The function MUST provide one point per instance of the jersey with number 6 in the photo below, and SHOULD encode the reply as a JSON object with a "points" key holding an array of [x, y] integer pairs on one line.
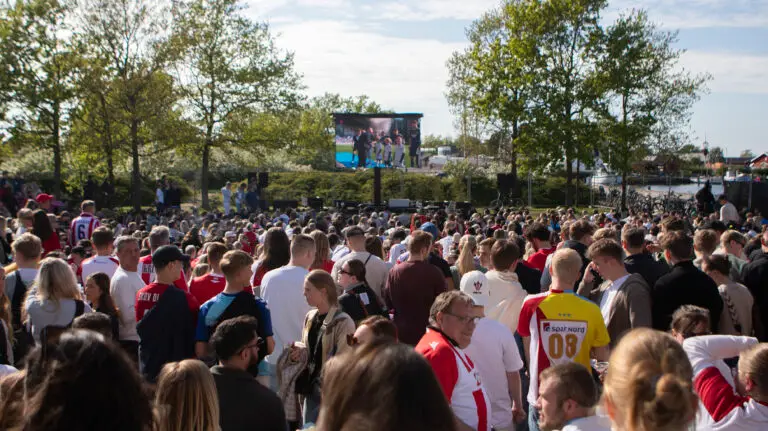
{"points": [[82, 228], [563, 327]]}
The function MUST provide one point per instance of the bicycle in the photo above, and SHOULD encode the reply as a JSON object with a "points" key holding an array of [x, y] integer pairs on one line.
{"points": [[503, 201]]}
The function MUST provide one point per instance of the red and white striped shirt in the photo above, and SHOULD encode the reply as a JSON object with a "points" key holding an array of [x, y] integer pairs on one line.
{"points": [[458, 377], [720, 407], [82, 227]]}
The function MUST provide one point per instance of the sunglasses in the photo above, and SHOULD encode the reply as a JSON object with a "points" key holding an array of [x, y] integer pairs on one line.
{"points": [[341, 271]]}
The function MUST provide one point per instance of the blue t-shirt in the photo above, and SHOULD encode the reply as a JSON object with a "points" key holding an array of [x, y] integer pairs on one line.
{"points": [[215, 307]]}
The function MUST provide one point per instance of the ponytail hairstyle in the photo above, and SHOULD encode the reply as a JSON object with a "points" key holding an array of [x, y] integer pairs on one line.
{"points": [[649, 386], [753, 365], [467, 249]]}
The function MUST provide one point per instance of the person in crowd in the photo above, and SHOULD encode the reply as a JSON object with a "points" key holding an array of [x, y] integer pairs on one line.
{"points": [[528, 277], [737, 401], [580, 233], [25, 219], [649, 383], [358, 300], [6, 327], [41, 228], [26, 251], [732, 246], [539, 236], [397, 247], [685, 284], [123, 288], [452, 322], [495, 353], [243, 402], [53, 299], [374, 327], [705, 200], [705, 242], [624, 299], [65, 388], [466, 261], [211, 284], [235, 300], [322, 253], [103, 244], [736, 318], [412, 287], [82, 227], [638, 260], [434, 256], [97, 322], [728, 212], [97, 294], [45, 202], [325, 333], [506, 293], [226, 198], [375, 269], [185, 398], [275, 254], [567, 399], [546, 317], [159, 236], [165, 315], [754, 276], [240, 198], [408, 397], [5, 244], [283, 290]]}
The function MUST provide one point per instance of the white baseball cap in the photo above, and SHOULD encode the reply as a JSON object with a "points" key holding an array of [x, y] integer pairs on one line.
{"points": [[475, 284]]}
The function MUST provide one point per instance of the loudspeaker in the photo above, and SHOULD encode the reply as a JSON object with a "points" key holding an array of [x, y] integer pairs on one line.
{"points": [[505, 182], [253, 178], [263, 179], [377, 186]]}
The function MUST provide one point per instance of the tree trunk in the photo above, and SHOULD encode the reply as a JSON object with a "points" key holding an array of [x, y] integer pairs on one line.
{"points": [[568, 178], [623, 192], [108, 141], [204, 175], [578, 178], [135, 172], [56, 151], [513, 156]]}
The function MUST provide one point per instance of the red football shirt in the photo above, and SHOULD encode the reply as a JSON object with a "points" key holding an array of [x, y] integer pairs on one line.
{"points": [[147, 297], [539, 259], [206, 287], [149, 275]]}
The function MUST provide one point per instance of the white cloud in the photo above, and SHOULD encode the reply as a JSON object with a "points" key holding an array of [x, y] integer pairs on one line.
{"points": [[405, 75], [680, 14], [732, 73]]}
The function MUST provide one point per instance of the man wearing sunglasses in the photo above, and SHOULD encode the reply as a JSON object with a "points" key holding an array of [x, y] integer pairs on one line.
{"points": [[452, 321], [244, 403]]}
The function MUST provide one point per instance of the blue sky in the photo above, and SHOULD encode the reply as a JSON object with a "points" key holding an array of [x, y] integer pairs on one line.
{"points": [[395, 51]]}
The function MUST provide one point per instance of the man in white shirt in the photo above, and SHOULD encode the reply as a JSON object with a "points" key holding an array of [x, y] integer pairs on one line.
{"points": [[376, 270], [567, 398], [494, 351], [506, 293], [624, 299], [102, 240], [728, 212], [226, 197], [283, 290], [398, 247], [123, 287]]}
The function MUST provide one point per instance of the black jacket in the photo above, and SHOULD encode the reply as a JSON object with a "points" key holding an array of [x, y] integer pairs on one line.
{"points": [[353, 302], [645, 265], [245, 404], [530, 278], [755, 277], [167, 333], [582, 250], [684, 284]]}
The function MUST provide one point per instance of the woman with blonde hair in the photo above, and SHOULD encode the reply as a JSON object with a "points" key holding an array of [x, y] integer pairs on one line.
{"points": [[728, 401], [186, 398], [648, 386], [322, 253], [54, 298], [466, 261]]}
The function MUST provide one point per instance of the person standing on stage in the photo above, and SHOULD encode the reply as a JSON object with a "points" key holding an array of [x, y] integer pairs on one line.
{"points": [[415, 147], [363, 142], [388, 152], [399, 152]]}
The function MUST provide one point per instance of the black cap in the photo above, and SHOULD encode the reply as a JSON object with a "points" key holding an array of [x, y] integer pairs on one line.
{"points": [[167, 254]]}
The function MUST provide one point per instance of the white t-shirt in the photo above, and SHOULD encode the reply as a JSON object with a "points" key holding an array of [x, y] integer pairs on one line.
{"points": [[340, 252], [446, 243], [376, 271], [609, 296], [283, 290], [395, 251], [106, 264], [123, 288], [494, 351]]}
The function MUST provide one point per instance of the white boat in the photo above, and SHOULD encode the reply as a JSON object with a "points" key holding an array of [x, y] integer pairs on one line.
{"points": [[603, 177]]}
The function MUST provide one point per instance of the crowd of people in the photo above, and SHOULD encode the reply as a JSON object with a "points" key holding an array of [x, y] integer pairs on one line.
{"points": [[286, 320]]}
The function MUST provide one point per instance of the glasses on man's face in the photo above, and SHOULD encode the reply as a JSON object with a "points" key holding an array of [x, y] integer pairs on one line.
{"points": [[464, 319], [342, 271], [254, 345]]}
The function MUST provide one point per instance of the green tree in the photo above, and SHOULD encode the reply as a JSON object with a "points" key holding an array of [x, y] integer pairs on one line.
{"points": [[227, 65], [748, 154], [127, 38], [639, 74], [40, 72]]}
